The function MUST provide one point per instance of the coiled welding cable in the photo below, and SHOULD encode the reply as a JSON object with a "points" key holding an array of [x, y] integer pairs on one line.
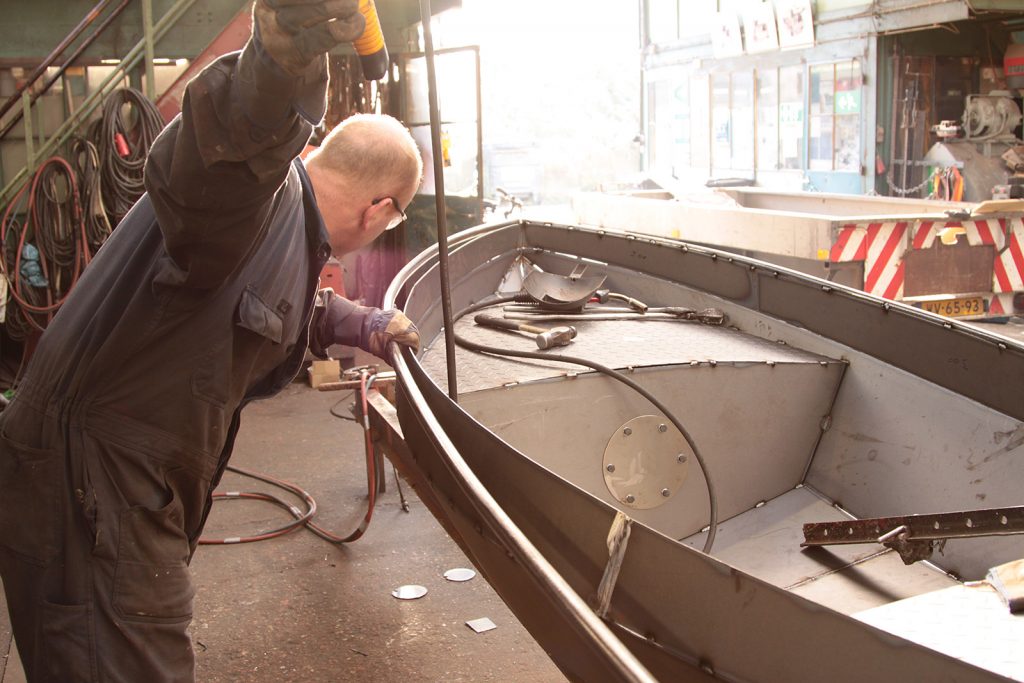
{"points": [[123, 135]]}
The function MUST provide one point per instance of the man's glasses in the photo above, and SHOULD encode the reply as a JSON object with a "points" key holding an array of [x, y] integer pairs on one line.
{"points": [[397, 220]]}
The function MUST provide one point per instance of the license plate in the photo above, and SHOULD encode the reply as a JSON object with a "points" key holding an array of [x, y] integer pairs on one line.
{"points": [[955, 308]]}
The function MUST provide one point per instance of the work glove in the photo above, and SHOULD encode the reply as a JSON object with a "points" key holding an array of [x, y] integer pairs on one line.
{"points": [[337, 320], [297, 32]]}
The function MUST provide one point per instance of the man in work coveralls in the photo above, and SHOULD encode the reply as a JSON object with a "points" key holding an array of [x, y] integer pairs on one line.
{"points": [[198, 303]]}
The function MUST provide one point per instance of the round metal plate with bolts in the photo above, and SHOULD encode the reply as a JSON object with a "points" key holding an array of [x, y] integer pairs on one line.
{"points": [[646, 462], [459, 574], [409, 592]]}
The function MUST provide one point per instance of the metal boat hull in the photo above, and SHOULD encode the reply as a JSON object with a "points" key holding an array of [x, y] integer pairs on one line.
{"points": [[686, 615]]}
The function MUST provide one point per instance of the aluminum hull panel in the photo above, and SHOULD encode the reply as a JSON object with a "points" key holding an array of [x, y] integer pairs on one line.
{"points": [[681, 611]]}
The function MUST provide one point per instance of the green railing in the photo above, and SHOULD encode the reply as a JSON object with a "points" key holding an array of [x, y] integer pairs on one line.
{"points": [[143, 50]]}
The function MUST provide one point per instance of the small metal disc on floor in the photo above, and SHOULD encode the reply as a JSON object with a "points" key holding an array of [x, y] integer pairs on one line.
{"points": [[482, 624], [409, 592], [459, 574]]}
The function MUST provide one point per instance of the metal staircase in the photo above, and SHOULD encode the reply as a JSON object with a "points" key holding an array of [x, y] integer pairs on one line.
{"points": [[232, 37]]}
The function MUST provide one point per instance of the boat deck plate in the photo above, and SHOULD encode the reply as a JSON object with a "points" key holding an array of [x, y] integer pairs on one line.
{"points": [[618, 344]]}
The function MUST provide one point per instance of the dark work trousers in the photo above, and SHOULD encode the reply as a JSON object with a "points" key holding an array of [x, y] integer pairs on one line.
{"points": [[94, 551]]}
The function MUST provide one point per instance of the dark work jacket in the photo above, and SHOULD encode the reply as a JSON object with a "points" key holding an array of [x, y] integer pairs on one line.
{"points": [[201, 298]]}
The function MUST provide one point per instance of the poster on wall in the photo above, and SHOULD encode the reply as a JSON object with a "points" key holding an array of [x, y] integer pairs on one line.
{"points": [[759, 32], [725, 35], [795, 22]]}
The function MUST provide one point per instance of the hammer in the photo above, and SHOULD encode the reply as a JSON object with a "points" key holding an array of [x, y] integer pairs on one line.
{"points": [[545, 338]]}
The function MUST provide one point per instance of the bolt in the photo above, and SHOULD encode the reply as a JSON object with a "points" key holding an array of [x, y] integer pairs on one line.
{"points": [[662, 428], [627, 431], [666, 493], [681, 457], [610, 468], [631, 498]]}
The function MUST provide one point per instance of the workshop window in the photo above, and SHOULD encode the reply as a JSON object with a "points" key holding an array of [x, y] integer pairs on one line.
{"points": [[791, 116], [767, 120], [743, 121], [835, 117], [700, 123], [662, 20], [848, 108], [721, 149], [732, 121], [669, 125], [822, 111]]}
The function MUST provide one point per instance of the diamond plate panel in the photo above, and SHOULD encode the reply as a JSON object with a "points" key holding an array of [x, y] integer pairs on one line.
{"points": [[617, 344]]}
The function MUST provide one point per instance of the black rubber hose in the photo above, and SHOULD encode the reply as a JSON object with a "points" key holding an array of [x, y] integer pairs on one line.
{"points": [[473, 346]]}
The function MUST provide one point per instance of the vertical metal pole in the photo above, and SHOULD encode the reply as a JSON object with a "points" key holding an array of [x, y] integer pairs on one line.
{"points": [[41, 121], [30, 151], [479, 134], [147, 28], [442, 224]]}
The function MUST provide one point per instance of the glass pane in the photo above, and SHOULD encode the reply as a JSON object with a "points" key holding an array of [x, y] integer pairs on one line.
{"points": [[456, 91], [822, 89], [791, 116], [848, 109], [700, 122], [820, 144], [659, 135], [822, 109], [721, 149], [697, 17], [767, 119], [743, 120], [848, 143], [681, 124], [662, 20]]}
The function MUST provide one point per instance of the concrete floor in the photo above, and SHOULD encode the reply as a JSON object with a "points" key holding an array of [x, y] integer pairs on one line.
{"points": [[297, 608]]}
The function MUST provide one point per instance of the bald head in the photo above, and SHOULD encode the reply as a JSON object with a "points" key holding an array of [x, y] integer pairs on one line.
{"points": [[370, 150]]}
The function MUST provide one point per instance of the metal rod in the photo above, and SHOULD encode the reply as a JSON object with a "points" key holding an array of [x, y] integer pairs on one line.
{"points": [[30, 152], [82, 47], [442, 225], [52, 57], [147, 32]]}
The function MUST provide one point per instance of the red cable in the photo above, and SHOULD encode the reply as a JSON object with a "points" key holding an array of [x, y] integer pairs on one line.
{"points": [[34, 221]]}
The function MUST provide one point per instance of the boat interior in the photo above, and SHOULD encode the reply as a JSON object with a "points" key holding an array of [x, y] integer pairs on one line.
{"points": [[793, 427]]}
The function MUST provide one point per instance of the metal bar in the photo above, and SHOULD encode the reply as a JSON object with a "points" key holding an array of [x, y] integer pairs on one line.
{"points": [[41, 122], [442, 225], [147, 31], [479, 135], [593, 316], [30, 152], [582, 618], [934, 527], [52, 57], [93, 101], [83, 46]]}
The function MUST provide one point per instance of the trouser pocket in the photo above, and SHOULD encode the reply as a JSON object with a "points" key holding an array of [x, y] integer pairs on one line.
{"points": [[30, 483], [152, 580], [65, 650]]}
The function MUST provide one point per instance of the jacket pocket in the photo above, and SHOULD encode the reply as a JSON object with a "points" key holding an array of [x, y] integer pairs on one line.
{"points": [[254, 314], [30, 482], [152, 581]]}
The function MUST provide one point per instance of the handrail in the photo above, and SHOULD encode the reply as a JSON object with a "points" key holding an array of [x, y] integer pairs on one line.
{"points": [[52, 57], [60, 71], [66, 129]]}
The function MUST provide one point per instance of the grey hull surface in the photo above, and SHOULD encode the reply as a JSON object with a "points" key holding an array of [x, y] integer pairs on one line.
{"points": [[814, 403]]}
